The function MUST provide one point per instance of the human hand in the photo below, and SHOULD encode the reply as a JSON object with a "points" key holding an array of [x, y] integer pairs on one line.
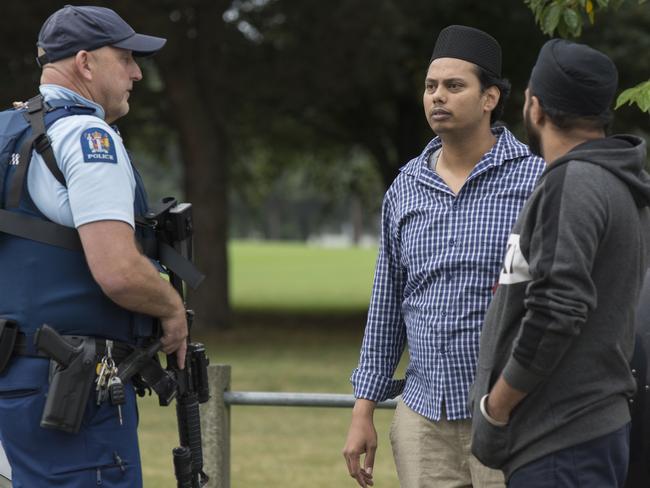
{"points": [[502, 400], [174, 338], [496, 411], [362, 438]]}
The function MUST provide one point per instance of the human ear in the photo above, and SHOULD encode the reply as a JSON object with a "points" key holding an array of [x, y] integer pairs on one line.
{"points": [[536, 111], [82, 63], [492, 95]]}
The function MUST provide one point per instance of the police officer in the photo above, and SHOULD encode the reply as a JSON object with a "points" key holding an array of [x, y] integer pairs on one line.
{"points": [[110, 290]]}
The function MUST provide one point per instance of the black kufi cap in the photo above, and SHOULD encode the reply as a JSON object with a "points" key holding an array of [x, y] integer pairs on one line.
{"points": [[469, 44], [573, 78]]}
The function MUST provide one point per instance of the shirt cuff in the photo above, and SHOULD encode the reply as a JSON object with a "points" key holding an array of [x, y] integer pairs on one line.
{"points": [[520, 378], [375, 387]]}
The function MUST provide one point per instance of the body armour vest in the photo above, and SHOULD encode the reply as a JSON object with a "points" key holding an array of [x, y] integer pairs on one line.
{"points": [[42, 283]]}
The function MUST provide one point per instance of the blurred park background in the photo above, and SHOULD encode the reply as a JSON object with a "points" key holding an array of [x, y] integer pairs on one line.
{"points": [[283, 122]]}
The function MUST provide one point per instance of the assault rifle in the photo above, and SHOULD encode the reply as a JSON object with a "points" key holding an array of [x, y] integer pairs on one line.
{"points": [[173, 227]]}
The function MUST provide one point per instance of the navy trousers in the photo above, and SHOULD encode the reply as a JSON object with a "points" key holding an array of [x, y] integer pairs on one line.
{"points": [[103, 454], [599, 463]]}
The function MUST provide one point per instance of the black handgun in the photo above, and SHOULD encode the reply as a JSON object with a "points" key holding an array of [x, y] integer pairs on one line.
{"points": [[72, 377]]}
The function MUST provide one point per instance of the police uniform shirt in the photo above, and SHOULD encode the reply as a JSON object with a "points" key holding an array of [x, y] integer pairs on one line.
{"points": [[97, 169]]}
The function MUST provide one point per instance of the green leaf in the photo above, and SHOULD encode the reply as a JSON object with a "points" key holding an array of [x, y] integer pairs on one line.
{"points": [[603, 3], [551, 18], [533, 4], [572, 20], [536, 6], [539, 8], [639, 95]]}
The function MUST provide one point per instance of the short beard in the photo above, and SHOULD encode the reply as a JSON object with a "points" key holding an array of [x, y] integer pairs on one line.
{"points": [[534, 138]]}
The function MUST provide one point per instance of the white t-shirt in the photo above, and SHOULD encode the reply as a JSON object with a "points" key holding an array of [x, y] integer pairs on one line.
{"points": [[433, 159]]}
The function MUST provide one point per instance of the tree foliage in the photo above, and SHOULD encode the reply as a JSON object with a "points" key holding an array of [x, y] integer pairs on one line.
{"points": [[568, 18], [639, 95], [250, 92], [350, 73]]}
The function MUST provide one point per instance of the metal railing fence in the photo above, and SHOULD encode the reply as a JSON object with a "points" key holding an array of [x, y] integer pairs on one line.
{"points": [[215, 417]]}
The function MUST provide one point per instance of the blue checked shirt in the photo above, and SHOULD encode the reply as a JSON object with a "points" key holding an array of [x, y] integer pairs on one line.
{"points": [[439, 258]]}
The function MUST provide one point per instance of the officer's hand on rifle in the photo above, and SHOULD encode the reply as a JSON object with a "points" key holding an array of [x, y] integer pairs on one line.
{"points": [[174, 338], [129, 279]]}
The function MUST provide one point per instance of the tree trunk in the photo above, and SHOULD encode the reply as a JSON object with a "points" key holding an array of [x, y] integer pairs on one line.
{"points": [[356, 218], [203, 147], [187, 66]]}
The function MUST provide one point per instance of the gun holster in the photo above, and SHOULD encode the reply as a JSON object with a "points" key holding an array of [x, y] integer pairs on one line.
{"points": [[70, 387], [8, 334]]}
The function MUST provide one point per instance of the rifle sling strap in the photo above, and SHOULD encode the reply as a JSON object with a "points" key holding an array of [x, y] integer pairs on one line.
{"points": [[181, 266], [36, 117], [39, 141], [39, 230]]}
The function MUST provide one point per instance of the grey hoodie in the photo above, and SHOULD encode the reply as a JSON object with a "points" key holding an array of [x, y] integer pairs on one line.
{"points": [[561, 324]]}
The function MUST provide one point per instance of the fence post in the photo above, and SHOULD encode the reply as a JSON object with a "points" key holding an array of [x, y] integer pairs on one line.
{"points": [[215, 427]]}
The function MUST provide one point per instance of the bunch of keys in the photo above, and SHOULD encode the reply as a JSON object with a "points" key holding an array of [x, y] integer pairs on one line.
{"points": [[109, 384]]}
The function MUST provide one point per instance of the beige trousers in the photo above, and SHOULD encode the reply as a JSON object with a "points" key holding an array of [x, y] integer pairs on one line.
{"points": [[437, 454]]}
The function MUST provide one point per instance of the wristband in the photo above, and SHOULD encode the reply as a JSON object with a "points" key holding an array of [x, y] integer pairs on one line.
{"points": [[486, 416]]}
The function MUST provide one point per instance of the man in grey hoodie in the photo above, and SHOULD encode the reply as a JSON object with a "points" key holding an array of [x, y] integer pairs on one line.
{"points": [[550, 399]]}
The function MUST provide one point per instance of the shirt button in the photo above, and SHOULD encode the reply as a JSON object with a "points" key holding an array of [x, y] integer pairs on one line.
{"points": [[452, 242], [443, 313]]}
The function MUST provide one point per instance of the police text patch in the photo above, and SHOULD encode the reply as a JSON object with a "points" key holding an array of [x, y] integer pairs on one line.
{"points": [[97, 146]]}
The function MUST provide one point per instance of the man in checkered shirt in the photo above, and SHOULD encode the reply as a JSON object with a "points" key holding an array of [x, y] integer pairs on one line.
{"points": [[445, 222]]}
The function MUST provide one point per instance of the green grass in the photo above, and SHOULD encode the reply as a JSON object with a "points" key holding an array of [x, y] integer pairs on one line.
{"points": [[283, 447], [292, 277]]}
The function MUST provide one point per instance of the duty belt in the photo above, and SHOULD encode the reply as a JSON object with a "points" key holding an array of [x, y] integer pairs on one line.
{"points": [[24, 346], [132, 362]]}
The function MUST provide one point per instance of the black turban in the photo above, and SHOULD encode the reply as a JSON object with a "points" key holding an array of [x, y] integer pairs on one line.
{"points": [[573, 78], [469, 44]]}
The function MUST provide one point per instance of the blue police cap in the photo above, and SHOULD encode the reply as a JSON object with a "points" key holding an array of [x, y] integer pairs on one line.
{"points": [[73, 29]]}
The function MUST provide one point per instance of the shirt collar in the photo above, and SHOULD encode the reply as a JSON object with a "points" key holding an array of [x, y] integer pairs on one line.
{"points": [[57, 92], [506, 148]]}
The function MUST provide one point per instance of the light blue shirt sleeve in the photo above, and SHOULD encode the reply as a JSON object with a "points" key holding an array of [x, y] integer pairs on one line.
{"points": [[99, 176]]}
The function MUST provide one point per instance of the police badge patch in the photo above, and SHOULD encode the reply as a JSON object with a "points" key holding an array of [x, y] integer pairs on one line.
{"points": [[97, 146]]}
